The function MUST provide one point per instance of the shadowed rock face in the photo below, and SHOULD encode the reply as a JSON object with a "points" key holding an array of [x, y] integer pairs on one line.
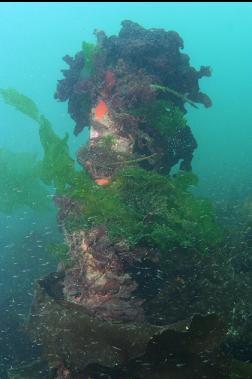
{"points": [[73, 339]]}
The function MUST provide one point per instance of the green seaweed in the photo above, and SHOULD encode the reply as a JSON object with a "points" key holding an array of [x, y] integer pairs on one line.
{"points": [[60, 251], [57, 167], [168, 212], [89, 51], [107, 141], [146, 208], [21, 102], [162, 116], [102, 205]]}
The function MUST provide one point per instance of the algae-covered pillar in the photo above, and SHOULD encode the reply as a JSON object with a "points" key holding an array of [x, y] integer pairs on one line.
{"points": [[130, 90], [138, 244], [125, 216]]}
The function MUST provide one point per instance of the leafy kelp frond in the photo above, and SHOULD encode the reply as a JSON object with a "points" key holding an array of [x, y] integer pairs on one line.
{"points": [[20, 185], [21, 102], [57, 167]]}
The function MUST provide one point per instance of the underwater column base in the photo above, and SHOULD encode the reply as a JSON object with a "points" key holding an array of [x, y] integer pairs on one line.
{"points": [[84, 344]]}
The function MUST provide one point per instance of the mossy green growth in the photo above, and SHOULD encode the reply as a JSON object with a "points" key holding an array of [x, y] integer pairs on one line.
{"points": [[169, 214], [89, 51], [101, 205], [107, 142], [60, 251], [163, 116], [20, 185], [143, 207]]}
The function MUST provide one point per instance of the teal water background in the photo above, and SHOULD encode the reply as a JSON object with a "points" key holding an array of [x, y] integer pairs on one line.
{"points": [[33, 39]]}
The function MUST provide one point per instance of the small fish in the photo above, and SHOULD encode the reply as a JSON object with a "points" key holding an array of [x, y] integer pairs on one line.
{"points": [[116, 348]]}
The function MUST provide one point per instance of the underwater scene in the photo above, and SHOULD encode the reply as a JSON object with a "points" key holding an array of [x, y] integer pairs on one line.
{"points": [[125, 190]]}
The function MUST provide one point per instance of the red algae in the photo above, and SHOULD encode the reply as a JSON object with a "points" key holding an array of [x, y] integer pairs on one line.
{"points": [[103, 181], [100, 110]]}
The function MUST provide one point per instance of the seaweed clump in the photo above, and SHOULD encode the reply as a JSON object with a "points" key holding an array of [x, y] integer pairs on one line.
{"points": [[141, 207]]}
